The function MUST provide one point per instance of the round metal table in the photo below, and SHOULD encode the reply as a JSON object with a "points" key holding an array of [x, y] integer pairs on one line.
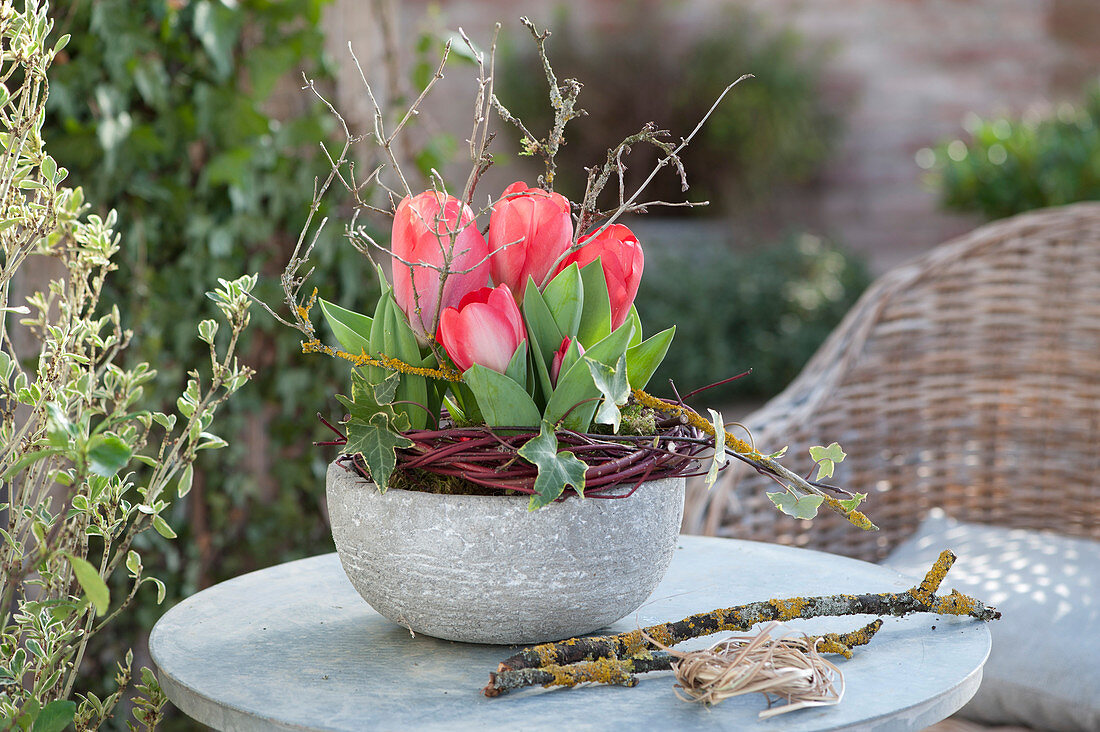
{"points": [[293, 647]]}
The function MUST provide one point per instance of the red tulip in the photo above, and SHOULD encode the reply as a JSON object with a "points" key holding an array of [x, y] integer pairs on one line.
{"points": [[426, 228], [559, 356], [528, 230], [486, 328], [621, 256]]}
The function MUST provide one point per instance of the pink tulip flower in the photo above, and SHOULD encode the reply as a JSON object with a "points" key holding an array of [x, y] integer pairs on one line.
{"points": [[622, 259], [559, 356], [427, 228], [486, 328], [528, 230]]}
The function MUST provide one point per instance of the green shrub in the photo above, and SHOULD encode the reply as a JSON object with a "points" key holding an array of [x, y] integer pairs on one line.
{"points": [[93, 452], [164, 111], [771, 133], [767, 310], [1009, 165]]}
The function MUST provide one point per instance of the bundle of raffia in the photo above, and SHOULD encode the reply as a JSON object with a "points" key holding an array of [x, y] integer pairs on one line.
{"points": [[779, 668]]}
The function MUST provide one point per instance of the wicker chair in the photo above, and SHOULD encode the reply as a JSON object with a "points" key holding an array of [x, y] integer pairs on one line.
{"points": [[968, 379]]}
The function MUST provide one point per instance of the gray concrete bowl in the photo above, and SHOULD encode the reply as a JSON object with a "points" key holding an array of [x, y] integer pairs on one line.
{"points": [[483, 569]]}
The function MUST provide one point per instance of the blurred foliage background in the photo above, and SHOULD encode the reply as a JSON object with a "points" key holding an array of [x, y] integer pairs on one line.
{"points": [[752, 302], [171, 113], [767, 310], [187, 118], [771, 135], [1008, 165]]}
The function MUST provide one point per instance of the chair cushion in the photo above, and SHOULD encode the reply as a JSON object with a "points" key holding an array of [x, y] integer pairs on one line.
{"points": [[1044, 668]]}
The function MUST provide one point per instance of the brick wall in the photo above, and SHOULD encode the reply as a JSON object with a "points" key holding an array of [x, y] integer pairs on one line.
{"points": [[905, 71]]}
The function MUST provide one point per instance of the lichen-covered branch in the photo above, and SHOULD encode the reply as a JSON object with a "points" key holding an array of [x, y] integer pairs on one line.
{"points": [[621, 672], [921, 598]]}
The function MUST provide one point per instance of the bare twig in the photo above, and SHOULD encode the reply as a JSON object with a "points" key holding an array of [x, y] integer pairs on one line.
{"points": [[621, 672], [920, 598]]}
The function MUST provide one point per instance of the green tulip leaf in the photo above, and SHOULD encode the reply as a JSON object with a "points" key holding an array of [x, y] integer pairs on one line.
{"points": [[608, 350], [503, 402], [375, 374], [543, 334], [466, 403], [352, 330], [595, 322], [556, 469], [643, 359], [636, 319], [800, 507], [575, 397], [613, 385], [517, 367], [391, 336], [564, 297], [384, 284]]}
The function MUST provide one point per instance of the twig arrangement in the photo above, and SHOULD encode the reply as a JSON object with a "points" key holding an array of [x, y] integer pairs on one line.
{"points": [[615, 658], [483, 459], [487, 457]]}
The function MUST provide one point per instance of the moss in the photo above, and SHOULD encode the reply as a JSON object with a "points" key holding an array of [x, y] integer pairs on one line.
{"points": [[414, 479], [638, 420]]}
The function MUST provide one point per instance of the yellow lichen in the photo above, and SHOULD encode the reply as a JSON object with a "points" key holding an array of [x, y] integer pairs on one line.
{"points": [[548, 656], [738, 446], [832, 644], [954, 604], [386, 362], [662, 635], [562, 676], [600, 671], [925, 591], [857, 518], [789, 609], [633, 642]]}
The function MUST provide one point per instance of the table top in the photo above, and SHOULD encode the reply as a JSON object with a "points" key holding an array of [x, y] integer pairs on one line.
{"points": [[294, 647]]}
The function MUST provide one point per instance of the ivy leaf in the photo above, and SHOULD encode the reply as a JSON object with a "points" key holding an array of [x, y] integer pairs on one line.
{"points": [[826, 459], [377, 442], [719, 460], [94, 586], [801, 507], [612, 383], [851, 503], [364, 402], [779, 453], [556, 469], [385, 392]]}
